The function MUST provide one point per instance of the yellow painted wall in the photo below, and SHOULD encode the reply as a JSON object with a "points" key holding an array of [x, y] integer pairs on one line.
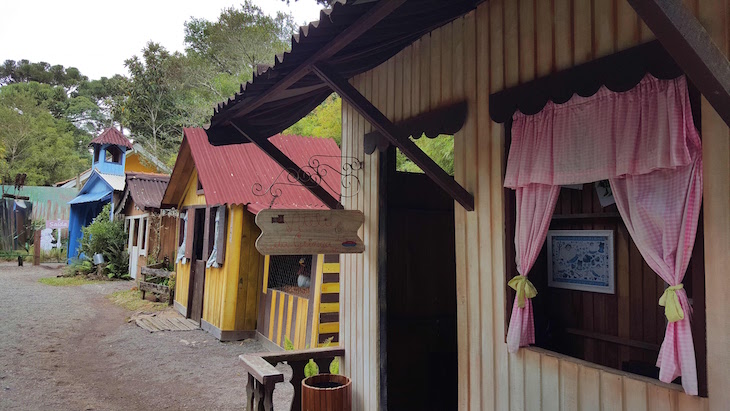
{"points": [[191, 198], [182, 283], [230, 299], [134, 164], [230, 295], [502, 44]]}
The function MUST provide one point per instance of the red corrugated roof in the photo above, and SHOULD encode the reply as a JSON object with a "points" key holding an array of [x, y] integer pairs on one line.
{"points": [[112, 136], [228, 174]]}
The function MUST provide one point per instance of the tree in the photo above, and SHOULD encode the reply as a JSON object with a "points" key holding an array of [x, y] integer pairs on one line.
{"points": [[325, 3], [323, 121], [440, 149], [221, 55], [153, 116], [24, 71], [34, 141], [240, 40]]}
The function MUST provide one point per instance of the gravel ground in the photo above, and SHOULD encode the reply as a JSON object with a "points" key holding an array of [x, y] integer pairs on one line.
{"points": [[69, 348]]}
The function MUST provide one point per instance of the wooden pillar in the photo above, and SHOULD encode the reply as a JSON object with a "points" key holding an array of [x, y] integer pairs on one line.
{"points": [[37, 247]]}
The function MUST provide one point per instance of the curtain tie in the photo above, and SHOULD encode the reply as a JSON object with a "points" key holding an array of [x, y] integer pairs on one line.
{"points": [[524, 288], [670, 302]]}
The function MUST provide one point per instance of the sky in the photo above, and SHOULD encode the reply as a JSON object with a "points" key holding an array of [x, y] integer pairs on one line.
{"points": [[96, 36]]}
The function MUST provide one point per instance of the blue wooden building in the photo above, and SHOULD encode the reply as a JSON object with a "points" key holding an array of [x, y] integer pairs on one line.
{"points": [[105, 184]]}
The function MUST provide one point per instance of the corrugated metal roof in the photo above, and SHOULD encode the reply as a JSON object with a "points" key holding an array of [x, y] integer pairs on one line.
{"points": [[112, 136], [90, 197], [229, 174], [406, 24], [49, 203], [116, 182], [145, 189]]}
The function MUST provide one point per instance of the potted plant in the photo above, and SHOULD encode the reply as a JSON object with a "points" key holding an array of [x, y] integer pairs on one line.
{"points": [[324, 392]]}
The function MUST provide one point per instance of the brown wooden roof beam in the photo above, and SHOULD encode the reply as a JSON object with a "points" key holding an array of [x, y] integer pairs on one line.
{"points": [[293, 169], [376, 14], [692, 48], [395, 135]]}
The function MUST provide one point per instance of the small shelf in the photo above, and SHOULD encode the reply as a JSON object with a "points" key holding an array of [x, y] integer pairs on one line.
{"points": [[584, 216]]}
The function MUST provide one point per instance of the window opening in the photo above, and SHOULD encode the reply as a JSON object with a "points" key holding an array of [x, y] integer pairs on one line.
{"points": [[135, 236], [97, 150], [144, 233], [291, 274], [440, 149], [199, 233], [113, 155], [211, 230]]}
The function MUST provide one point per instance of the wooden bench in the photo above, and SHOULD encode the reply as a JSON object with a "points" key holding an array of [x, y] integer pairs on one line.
{"points": [[262, 375], [155, 271]]}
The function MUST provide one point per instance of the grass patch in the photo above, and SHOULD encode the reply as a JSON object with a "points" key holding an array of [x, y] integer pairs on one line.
{"points": [[65, 281], [132, 301]]}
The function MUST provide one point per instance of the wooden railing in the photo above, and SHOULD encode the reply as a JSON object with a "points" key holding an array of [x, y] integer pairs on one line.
{"points": [[262, 376]]}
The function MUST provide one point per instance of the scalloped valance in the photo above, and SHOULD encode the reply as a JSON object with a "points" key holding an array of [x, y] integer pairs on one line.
{"points": [[618, 72]]}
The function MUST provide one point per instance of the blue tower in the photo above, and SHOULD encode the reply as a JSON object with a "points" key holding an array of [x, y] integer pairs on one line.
{"points": [[104, 185]]}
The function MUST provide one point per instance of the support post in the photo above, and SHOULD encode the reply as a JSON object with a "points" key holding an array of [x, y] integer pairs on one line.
{"points": [[396, 136], [689, 44], [37, 247]]}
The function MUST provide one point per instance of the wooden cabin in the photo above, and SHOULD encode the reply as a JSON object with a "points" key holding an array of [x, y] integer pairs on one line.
{"points": [[152, 233], [103, 186], [222, 280], [426, 309]]}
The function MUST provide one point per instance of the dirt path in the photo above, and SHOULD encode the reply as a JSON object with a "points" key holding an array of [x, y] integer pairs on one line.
{"points": [[69, 348]]}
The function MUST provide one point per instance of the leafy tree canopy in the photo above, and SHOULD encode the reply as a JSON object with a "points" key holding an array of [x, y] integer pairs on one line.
{"points": [[24, 71], [323, 121], [46, 147]]}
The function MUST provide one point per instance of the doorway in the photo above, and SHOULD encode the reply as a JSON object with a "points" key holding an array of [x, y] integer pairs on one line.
{"points": [[197, 267], [421, 335], [136, 242]]}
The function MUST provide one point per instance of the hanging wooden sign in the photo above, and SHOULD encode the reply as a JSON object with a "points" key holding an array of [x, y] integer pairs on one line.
{"points": [[294, 232]]}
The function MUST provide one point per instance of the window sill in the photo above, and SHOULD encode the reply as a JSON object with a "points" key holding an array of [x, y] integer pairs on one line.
{"points": [[613, 371]]}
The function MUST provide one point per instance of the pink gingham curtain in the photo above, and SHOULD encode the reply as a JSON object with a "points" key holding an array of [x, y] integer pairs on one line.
{"points": [[644, 141], [661, 211], [605, 135], [535, 205]]}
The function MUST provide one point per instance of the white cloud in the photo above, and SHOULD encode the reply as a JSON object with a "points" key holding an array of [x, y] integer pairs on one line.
{"points": [[97, 36]]}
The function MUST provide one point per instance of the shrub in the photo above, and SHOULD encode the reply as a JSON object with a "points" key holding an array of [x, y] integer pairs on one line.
{"points": [[107, 236]]}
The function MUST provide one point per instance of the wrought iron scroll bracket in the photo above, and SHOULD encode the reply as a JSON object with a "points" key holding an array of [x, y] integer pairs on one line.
{"points": [[316, 170]]}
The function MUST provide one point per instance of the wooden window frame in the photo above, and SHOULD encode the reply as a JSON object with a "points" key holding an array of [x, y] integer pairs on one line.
{"points": [[198, 186], [696, 270]]}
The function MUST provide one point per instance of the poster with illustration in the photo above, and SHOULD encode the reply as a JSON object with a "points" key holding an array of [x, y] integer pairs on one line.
{"points": [[581, 260]]}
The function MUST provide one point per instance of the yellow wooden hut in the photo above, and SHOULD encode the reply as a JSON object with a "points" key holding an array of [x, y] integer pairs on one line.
{"points": [[398, 61], [222, 280]]}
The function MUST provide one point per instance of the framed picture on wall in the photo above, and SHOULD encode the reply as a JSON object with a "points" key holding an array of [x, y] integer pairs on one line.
{"points": [[581, 260]]}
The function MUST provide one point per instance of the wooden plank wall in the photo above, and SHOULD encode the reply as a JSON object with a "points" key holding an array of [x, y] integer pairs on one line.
{"points": [[167, 235], [329, 318], [501, 44], [230, 300], [182, 283], [285, 316]]}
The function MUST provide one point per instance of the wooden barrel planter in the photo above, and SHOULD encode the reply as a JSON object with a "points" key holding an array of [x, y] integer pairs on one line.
{"points": [[327, 392]]}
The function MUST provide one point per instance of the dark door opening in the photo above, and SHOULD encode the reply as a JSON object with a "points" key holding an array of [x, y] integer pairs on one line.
{"points": [[197, 268], [421, 337]]}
